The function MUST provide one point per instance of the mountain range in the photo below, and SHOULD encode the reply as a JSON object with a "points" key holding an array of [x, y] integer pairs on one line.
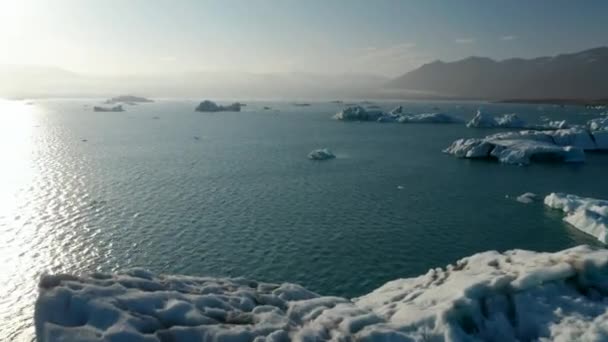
{"points": [[577, 76], [581, 75]]}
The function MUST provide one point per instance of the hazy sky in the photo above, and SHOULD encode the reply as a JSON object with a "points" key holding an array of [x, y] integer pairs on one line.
{"points": [[368, 36]]}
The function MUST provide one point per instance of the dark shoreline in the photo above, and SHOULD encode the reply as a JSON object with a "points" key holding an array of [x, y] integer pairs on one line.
{"points": [[576, 102]]}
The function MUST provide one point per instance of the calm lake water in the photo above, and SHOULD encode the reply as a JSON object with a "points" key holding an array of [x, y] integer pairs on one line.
{"points": [[233, 194]]}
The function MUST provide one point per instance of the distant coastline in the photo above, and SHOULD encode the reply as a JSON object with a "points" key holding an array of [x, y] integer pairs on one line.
{"points": [[557, 101]]}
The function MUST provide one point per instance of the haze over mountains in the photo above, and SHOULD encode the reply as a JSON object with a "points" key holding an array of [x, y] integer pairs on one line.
{"points": [[582, 75]]}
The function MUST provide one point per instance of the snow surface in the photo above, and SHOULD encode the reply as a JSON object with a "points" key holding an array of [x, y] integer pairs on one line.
{"points": [[515, 295], [586, 214], [321, 154], [527, 197]]}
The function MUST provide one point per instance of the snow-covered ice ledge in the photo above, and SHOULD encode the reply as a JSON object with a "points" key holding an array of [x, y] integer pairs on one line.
{"points": [[488, 296]]}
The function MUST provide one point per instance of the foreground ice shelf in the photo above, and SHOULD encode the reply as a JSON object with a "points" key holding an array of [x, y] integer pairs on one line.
{"points": [[515, 295]]}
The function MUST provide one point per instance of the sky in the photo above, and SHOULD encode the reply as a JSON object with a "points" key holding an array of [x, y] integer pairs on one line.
{"points": [[384, 37]]}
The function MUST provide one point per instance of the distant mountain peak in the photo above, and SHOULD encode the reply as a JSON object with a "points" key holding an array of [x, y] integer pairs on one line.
{"points": [[582, 74]]}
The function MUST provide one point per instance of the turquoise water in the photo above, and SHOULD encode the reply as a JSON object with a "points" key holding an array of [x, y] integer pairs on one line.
{"points": [[233, 194]]}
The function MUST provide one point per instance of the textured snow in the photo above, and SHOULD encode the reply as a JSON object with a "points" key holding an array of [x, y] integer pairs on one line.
{"points": [[527, 197], [515, 295], [586, 214], [483, 120], [321, 154]]}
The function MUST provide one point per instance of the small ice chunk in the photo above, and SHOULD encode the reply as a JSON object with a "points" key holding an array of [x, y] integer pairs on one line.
{"points": [[483, 120], [527, 197], [321, 154]]}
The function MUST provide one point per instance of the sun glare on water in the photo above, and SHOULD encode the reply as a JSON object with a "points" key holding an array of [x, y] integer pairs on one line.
{"points": [[17, 169]]}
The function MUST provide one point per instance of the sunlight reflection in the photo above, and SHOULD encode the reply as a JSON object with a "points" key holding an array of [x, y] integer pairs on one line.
{"points": [[17, 135]]}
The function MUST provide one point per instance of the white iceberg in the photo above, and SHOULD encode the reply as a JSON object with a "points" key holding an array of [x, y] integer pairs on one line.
{"points": [[514, 151], [321, 154], [521, 147], [515, 295], [483, 120], [358, 113], [586, 214], [527, 198], [429, 118]]}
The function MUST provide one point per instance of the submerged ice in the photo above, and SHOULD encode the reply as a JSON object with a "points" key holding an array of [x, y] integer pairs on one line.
{"points": [[515, 295]]}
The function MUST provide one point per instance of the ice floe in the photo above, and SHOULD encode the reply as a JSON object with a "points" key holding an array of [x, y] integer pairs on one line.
{"points": [[515, 295], [527, 197], [586, 214], [321, 154]]}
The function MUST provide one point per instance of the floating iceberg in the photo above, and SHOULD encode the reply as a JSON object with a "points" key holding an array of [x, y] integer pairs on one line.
{"points": [[108, 109], [515, 295], [586, 214], [358, 113], [128, 99], [521, 147], [321, 154], [483, 120], [210, 106], [516, 151], [429, 118], [527, 197]]}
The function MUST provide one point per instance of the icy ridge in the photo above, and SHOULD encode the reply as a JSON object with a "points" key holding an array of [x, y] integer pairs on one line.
{"points": [[488, 296]]}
